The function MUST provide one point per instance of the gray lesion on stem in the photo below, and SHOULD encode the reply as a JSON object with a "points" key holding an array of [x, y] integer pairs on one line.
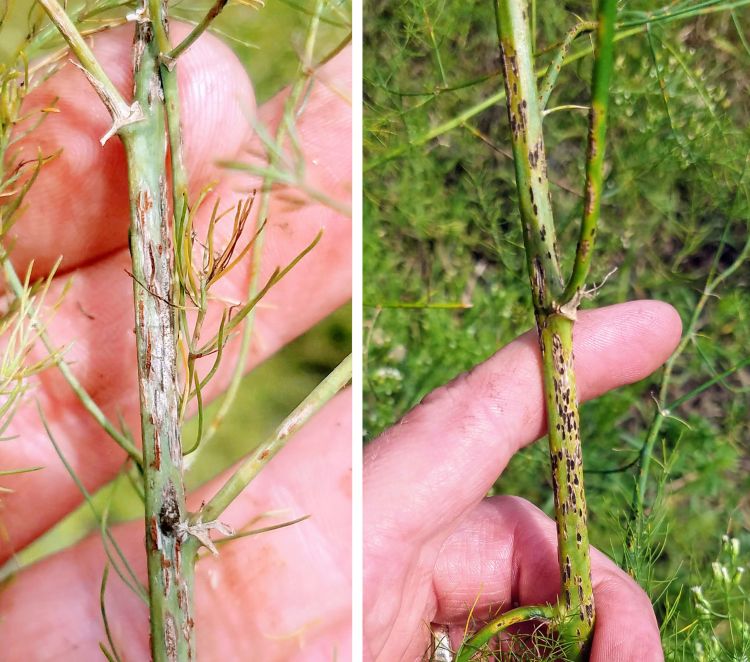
{"points": [[170, 557]]}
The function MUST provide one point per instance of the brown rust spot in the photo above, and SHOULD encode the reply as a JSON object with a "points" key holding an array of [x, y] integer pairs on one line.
{"points": [[537, 279], [143, 205], [147, 357], [166, 576], [178, 556], [152, 272], [156, 464], [153, 530]]}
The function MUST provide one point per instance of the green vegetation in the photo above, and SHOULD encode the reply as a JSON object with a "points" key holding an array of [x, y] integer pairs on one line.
{"points": [[445, 284]]}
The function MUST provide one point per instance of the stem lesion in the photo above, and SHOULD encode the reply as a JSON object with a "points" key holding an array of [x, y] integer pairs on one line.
{"points": [[170, 556], [555, 304]]}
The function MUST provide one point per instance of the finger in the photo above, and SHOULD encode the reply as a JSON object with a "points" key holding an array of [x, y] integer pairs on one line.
{"points": [[280, 596], [504, 553], [462, 436], [78, 207], [96, 316]]}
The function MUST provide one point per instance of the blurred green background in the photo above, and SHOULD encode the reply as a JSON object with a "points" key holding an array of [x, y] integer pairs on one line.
{"points": [[441, 228], [268, 42]]}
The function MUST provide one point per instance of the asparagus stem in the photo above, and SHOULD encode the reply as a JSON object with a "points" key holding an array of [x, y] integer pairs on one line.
{"points": [[519, 615], [170, 550], [576, 601], [555, 305], [603, 64], [168, 74], [525, 117]]}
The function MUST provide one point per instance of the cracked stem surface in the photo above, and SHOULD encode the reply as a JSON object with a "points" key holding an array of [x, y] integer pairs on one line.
{"points": [[170, 555]]}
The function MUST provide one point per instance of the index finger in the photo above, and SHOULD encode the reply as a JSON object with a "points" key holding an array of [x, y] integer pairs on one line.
{"points": [[462, 436]]}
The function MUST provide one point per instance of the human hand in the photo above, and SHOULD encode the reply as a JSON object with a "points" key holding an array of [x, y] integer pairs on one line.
{"points": [[285, 595], [435, 549]]}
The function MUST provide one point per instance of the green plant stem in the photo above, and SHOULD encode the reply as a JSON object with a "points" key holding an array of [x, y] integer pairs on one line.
{"points": [[122, 113], [554, 307], [11, 277], [197, 31], [305, 71], [79, 47], [420, 305], [525, 117], [251, 466], [576, 602], [170, 551], [264, 529], [644, 457], [553, 70], [126, 573], [603, 64], [519, 615], [168, 74]]}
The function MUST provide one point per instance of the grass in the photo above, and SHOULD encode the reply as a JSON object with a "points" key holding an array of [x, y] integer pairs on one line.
{"points": [[441, 227]]}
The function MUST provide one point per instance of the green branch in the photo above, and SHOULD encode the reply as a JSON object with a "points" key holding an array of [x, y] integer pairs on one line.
{"points": [[123, 440], [291, 110], [713, 282], [250, 467], [602, 76], [553, 70], [197, 31], [544, 614], [122, 113]]}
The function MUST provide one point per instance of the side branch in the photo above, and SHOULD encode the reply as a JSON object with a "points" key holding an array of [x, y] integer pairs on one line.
{"points": [[122, 439], [122, 113], [603, 65], [251, 466], [541, 613], [553, 70], [199, 29]]}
